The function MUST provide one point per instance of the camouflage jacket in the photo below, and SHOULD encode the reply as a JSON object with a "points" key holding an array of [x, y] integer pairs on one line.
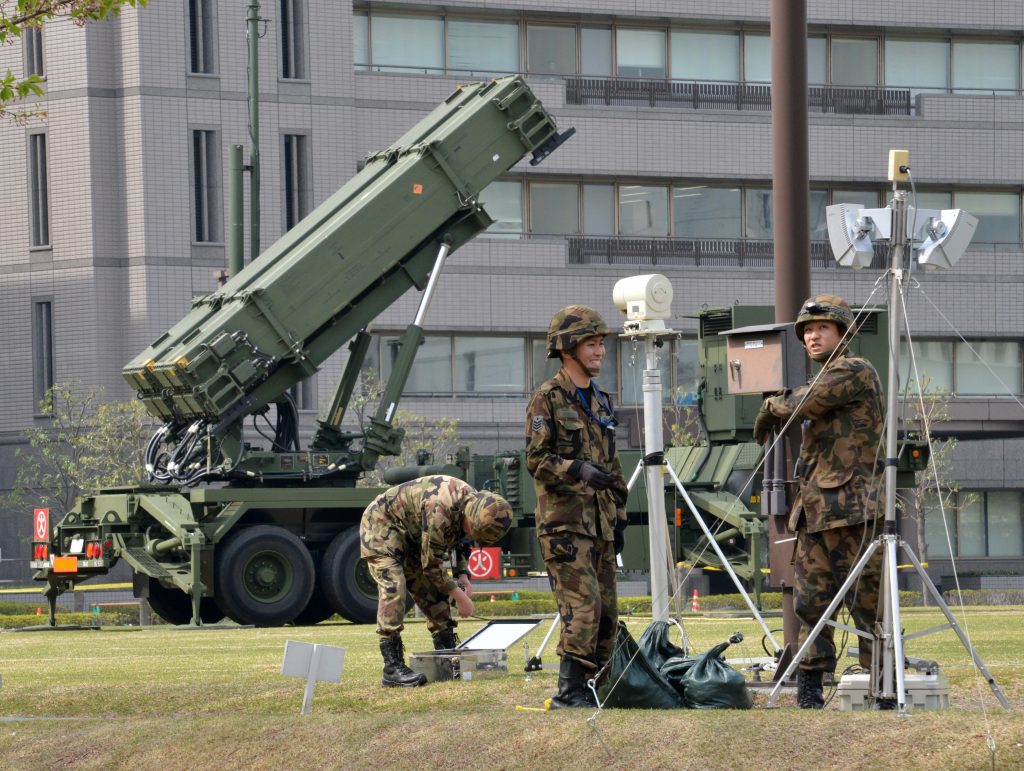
{"points": [[559, 431], [419, 523], [841, 458]]}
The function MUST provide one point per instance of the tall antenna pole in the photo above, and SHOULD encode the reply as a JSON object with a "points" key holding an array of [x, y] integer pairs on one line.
{"points": [[252, 36]]}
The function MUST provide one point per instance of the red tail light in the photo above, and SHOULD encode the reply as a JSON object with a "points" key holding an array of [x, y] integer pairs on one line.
{"points": [[40, 551]]}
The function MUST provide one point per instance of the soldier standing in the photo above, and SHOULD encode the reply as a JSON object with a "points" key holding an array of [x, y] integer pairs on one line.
{"points": [[406, 535], [581, 496], [836, 512]]}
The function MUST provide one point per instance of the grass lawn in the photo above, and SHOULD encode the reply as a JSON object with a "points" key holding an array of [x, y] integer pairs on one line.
{"points": [[159, 698]]}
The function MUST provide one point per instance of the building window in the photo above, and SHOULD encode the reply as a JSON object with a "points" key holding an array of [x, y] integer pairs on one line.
{"points": [[596, 51], [760, 218], [483, 48], [42, 349], [554, 208], [985, 524], [854, 61], [361, 41], [503, 200], [934, 360], [640, 53], [490, 365], [599, 210], [39, 196], [431, 372], [679, 366], [757, 58], [817, 60], [32, 42], [292, 23], [705, 55], [550, 50], [986, 67], [205, 186], [296, 179], [706, 212], [998, 215], [920, 65], [988, 368], [202, 35], [643, 210], [407, 43]]}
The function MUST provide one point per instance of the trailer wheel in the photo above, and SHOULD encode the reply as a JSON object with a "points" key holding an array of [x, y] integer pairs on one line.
{"points": [[346, 580], [175, 607], [316, 610], [264, 576]]}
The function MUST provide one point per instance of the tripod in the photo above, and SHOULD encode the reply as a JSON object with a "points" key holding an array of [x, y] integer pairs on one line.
{"points": [[888, 634]]}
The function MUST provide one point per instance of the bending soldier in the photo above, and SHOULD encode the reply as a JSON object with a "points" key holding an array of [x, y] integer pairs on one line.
{"points": [[406, 535], [837, 509], [581, 495]]}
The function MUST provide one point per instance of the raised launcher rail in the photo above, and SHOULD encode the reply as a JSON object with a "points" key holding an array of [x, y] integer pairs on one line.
{"points": [[276, 322]]}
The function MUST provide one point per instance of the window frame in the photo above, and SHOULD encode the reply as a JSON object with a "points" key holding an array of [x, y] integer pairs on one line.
{"points": [[296, 178], [205, 178], [33, 59], [201, 23], [43, 359], [292, 40], [38, 177]]}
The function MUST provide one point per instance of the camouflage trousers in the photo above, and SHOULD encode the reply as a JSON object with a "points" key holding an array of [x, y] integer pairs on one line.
{"points": [[582, 575], [823, 561], [394, 580]]}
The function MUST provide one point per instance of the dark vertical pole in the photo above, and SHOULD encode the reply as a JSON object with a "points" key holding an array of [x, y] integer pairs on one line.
{"points": [[790, 196], [252, 36]]}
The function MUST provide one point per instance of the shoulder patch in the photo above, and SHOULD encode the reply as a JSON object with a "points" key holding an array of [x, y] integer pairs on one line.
{"points": [[537, 423]]}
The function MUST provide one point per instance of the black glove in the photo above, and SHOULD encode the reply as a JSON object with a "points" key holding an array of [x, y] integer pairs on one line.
{"points": [[591, 474], [620, 536], [763, 424]]}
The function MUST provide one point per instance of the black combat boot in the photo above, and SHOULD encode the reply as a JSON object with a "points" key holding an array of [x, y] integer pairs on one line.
{"points": [[572, 686], [808, 689], [445, 640], [396, 673]]}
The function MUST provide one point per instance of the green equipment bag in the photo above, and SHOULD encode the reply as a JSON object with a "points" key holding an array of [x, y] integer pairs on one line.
{"points": [[631, 681], [710, 683]]}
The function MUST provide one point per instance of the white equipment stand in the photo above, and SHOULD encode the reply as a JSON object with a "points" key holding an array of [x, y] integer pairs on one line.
{"points": [[888, 637]]}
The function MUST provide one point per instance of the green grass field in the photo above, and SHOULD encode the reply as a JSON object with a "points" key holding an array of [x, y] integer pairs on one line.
{"points": [[160, 697]]}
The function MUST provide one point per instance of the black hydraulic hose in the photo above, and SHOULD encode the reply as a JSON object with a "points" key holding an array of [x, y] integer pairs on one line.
{"points": [[707, 440]]}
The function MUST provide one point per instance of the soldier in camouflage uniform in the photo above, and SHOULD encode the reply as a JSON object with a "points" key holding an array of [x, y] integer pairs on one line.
{"points": [[836, 513], [581, 495], [406, 535]]}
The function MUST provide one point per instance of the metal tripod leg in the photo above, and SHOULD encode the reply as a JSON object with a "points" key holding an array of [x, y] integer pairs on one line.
{"points": [[721, 556], [534, 664], [825, 617], [941, 603]]}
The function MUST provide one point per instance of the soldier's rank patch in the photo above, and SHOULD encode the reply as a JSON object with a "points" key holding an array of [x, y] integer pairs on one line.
{"points": [[537, 423]]}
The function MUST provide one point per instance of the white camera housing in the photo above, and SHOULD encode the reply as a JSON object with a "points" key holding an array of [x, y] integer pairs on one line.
{"points": [[644, 298]]}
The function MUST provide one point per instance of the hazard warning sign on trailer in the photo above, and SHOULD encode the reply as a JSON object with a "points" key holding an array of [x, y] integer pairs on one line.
{"points": [[485, 563]]}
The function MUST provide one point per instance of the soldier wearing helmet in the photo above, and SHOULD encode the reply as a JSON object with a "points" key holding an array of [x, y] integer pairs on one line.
{"points": [[836, 511], [406, 535], [581, 496]]}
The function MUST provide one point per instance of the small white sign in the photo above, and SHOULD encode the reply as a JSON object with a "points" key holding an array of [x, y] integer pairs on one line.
{"points": [[313, 662], [754, 344]]}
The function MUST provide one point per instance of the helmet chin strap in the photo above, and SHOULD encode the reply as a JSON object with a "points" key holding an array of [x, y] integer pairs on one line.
{"points": [[584, 367]]}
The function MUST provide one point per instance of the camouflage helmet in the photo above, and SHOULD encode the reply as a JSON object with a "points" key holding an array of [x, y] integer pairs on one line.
{"points": [[571, 325], [825, 307], [489, 517]]}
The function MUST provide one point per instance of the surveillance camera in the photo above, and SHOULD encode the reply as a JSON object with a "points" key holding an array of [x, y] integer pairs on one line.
{"points": [[644, 298]]}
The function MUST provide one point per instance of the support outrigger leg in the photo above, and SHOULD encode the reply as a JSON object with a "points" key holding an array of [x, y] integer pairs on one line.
{"points": [[52, 593]]}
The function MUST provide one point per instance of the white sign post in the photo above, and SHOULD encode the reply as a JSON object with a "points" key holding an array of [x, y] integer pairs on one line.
{"points": [[313, 662]]}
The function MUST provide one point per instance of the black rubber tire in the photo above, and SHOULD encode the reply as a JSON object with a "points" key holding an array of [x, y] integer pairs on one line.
{"points": [[264, 576], [316, 610], [175, 607], [346, 580]]}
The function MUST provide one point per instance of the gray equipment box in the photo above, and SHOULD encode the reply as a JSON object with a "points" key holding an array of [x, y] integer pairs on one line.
{"points": [[764, 358], [923, 692], [483, 654]]}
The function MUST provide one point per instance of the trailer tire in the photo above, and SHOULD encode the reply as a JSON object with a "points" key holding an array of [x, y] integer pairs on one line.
{"points": [[264, 576], [175, 607], [316, 610], [346, 580]]}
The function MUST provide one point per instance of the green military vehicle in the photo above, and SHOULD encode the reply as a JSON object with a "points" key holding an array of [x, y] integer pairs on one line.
{"points": [[268, 535]]}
